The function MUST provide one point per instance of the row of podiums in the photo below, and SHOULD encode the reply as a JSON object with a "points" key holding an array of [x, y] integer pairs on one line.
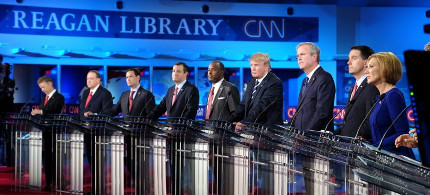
{"points": [[181, 156]]}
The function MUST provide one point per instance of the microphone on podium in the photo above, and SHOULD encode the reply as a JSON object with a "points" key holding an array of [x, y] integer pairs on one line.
{"points": [[395, 120], [300, 109], [349, 103], [264, 110], [185, 107], [141, 112], [101, 111], [22, 108], [381, 97]]}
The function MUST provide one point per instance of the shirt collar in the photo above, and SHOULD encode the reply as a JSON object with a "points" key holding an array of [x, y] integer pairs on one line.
{"points": [[181, 84], [359, 81], [312, 72], [218, 83], [95, 89], [262, 78], [135, 89], [52, 93]]}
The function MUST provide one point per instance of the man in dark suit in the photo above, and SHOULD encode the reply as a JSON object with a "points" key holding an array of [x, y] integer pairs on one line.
{"points": [[52, 103], [361, 97], [223, 96], [96, 98], [316, 98], [135, 102], [181, 100], [262, 102]]}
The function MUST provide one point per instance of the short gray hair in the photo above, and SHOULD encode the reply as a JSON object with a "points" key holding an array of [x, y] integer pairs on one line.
{"points": [[314, 49]]}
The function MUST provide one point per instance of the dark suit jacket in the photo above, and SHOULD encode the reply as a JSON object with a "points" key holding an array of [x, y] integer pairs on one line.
{"points": [[101, 100], [317, 102], [266, 107], [186, 103], [143, 99], [54, 105], [355, 113], [225, 101]]}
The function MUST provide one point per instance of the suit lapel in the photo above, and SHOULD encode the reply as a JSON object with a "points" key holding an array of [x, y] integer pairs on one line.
{"points": [[180, 92], [218, 93], [309, 85], [139, 94]]}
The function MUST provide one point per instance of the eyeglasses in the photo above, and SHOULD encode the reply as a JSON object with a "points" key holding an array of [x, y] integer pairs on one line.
{"points": [[300, 55]]}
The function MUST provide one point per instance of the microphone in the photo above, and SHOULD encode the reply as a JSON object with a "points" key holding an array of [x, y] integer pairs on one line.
{"points": [[222, 108], [276, 99], [144, 108], [395, 120], [22, 108], [381, 97], [185, 107], [300, 109], [101, 111], [349, 103]]}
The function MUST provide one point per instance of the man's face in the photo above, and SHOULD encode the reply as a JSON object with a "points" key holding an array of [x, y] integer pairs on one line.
{"points": [[356, 64], [92, 80], [214, 73], [306, 60], [258, 68], [132, 79], [178, 74], [46, 87]]}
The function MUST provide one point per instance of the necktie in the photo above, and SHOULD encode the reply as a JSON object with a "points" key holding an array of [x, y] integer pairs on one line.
{"points": [[353, 91], [209, 106], [130, 101], [88, 99], [46, 100], [174, 95], [255, 89], [304, 85]]}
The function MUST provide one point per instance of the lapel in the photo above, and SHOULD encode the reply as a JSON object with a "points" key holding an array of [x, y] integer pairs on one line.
{"points": [[262, 85], [178, 95], [136, 99], [94, 96], [309, 85], [218, 93], [359, 89]]}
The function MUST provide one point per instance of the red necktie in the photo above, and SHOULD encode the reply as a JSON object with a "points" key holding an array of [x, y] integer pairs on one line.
{"points": [[353, 91], [209, 106], [46, 100], [130, 101], [174, 95], [88, 99]]}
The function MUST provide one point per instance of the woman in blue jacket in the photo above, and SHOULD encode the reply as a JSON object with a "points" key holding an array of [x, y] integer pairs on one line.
{"points": [[384, 70]]}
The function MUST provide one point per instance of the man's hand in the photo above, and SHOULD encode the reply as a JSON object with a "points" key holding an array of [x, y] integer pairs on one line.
{"points": [[36, 111], [239, 126], [86, 114]]}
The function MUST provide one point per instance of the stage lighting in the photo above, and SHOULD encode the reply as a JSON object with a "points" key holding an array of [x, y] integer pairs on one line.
{"points": [[290, 11], [119, 4], [205, 8]]}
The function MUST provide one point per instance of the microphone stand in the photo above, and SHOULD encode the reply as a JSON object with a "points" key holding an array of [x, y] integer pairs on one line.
{"points": [[395, 120]]}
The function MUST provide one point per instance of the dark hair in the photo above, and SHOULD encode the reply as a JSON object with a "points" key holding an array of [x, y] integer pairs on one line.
{"points": [[134, 70], [45, 79], [95, 72], [184, 65], [219, 64], [1, 59], [365, 51]]}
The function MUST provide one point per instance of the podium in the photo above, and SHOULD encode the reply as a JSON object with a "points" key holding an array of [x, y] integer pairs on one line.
{"points": [[182, 156]]}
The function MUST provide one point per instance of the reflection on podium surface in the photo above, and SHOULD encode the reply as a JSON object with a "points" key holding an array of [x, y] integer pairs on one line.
{"points": [[105, 155]]}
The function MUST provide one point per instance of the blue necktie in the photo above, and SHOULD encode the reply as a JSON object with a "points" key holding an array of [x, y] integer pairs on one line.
{"points": [[304, 85]]}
